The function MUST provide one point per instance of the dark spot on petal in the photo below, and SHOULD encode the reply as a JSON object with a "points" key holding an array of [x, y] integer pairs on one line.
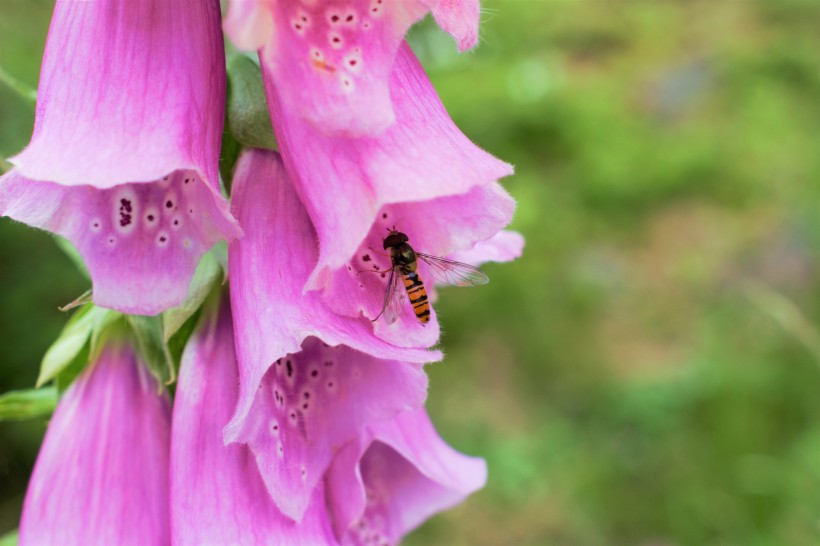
{"points": [[349, 18], [169, 204], [366, 258], [314, 373], [384, 215], [290, 368], [305, 405], [306, 395], [334, 18], [383, 275], [328, 363], [352, 62], [150, 217], [162, 239]]}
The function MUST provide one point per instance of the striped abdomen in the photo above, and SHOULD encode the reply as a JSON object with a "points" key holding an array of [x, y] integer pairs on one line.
{"points": [[418, 297]]}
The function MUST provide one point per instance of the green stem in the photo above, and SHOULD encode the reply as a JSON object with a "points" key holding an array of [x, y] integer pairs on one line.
{"points": [[23, 90]]}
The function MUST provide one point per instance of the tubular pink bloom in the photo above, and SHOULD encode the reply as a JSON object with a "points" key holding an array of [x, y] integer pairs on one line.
{"points": [[421, 175], [308, 378], [123, 159], [217, 492], [102, 473], [392, 481], [332, 59]]}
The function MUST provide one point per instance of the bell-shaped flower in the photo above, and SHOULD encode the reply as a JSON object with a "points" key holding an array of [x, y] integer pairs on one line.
{"points": [[309, 379], [331, 60], [102, 473], [217, 493], [399, 474], [422, 176], [123, 158], [383, 480]]}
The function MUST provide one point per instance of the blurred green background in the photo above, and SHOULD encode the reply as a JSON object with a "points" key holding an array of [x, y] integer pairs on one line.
{"points": [[649, 373]]}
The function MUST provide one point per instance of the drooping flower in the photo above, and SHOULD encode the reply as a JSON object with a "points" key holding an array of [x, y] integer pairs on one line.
{"points": [[399, 474], [331, 60], [309, 379], [217, 493], [385, 479], [421, 175], [123, 158], [102, 473]]}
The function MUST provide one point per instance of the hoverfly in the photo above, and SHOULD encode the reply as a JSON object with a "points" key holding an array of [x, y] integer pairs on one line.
{"points": [[403, 268]]}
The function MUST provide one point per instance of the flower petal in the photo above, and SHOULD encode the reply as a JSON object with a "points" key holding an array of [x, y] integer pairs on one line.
{"points": [[269, 268], [504, 246], [249, 23], [331, 60], [102, 473], [130, 104], [140, 242], [421, 175], [217, 493], [383, 488], [460, 18], [129, 92], [315, 400]]}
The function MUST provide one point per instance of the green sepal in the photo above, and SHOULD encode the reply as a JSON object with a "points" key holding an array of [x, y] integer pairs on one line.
{"points": [[72, 341], [209, 274], [28, 404], [153, 349], [10, 539], [247, 114]]}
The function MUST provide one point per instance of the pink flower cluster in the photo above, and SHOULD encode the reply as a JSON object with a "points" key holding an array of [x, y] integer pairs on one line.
{"points": [[296, 419]]}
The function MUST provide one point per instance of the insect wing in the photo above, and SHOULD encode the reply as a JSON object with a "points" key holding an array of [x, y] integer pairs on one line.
{"points": [[452, 272], [393, 298]]}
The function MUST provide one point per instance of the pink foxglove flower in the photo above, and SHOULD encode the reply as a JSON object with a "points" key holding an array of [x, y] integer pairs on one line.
{"points": [[331, 60], [389, 476], [217, 493], [102, 473], [309, 379], [123, 159], [399, 474], [421, 175]]}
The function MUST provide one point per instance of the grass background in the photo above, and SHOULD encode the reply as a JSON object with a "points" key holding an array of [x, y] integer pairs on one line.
{"points": [[648, 374]]}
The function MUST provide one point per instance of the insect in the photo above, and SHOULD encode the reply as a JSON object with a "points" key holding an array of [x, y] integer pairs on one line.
{"points": [[404, 262]]}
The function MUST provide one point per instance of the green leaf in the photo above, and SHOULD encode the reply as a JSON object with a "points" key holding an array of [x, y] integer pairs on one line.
{"points": [[28, 404], [72, 370], [152, 347], [10, 538], [248, 119], [72, 340], [228, 157], [209, 274], [23, 91]]}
